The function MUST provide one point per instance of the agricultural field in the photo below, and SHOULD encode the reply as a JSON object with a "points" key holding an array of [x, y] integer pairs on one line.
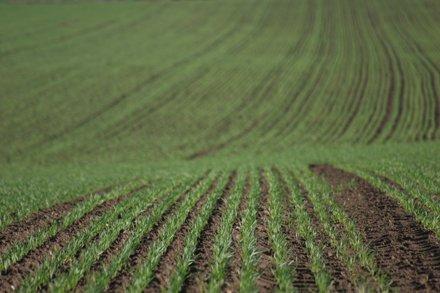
{"points": [[220, 146]]}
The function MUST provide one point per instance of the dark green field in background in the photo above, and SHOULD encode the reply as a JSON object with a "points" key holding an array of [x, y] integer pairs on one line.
{"points": [[220, 145]]}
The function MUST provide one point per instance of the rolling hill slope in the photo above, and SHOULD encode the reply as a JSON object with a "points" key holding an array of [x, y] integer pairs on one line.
{"points": [[220, 145]]}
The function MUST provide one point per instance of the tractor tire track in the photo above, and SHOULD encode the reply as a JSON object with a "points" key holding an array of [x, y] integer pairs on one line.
{"points": [[406, 251]]}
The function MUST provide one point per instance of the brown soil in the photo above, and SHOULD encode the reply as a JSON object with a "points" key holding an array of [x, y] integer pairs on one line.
{"points": [[200, 270], [13, 276], [114, 249], [336, 269], [124, 277], [406, 251], [19, 231], [266, 280], [232, 282], [304, 278], [169, 259]]}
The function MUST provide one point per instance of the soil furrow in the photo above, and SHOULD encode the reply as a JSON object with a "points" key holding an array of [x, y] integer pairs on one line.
{"points": [[266, 280], [406, 251], [337, 270], [19, 231], [304, 278], [125, 275], [232, 282], [169, 259], [199, 271], [114, 249], [13, 276]]}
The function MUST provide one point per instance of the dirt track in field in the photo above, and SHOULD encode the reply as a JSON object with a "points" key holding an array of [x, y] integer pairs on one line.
{"points": [[404, 250]]}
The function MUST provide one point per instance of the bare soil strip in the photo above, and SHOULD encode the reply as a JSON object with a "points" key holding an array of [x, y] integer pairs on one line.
{"points": [[200, 270], [124, 277], [28, 264], [304, 278], [406, 251], [266, 265], [19, 231], [232, 282], [169, 259]]}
